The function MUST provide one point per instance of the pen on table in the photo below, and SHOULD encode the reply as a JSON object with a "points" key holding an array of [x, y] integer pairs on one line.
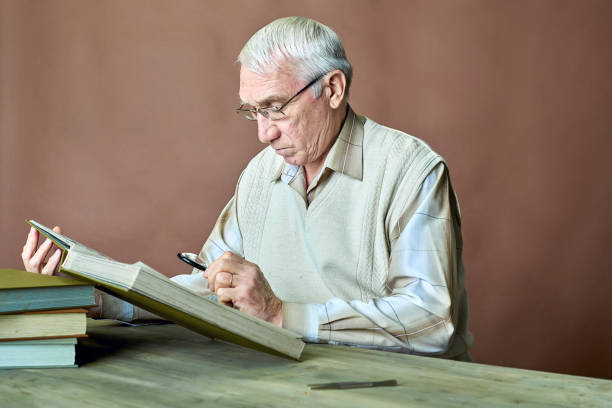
{"points": [[352, 384]]}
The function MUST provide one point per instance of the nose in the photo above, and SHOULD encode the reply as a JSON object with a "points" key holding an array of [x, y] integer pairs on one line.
{"points": [[267, 131]]}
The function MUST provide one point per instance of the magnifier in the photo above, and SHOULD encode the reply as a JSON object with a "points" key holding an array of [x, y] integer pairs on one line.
{"points": [[191, 259]]}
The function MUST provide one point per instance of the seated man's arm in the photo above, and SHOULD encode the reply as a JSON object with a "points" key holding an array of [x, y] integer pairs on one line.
{"points": [[225, 237], [110, 307], [424, 285]]}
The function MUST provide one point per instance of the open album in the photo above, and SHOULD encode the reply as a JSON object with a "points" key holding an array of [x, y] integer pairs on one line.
{"points": [[143, 286]]}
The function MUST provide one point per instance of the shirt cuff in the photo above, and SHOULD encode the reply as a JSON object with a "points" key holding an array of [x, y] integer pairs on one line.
{"points": [[303, 318]]}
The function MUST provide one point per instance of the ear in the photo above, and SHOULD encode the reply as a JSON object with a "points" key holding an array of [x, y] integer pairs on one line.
{"points": [[335, 88]]}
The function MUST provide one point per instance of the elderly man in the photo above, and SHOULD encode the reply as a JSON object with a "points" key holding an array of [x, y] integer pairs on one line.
{"points": [[342, 230]]}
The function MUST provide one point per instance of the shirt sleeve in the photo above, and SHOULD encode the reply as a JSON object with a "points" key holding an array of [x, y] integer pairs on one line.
{"points": [[117, 309], [416, 315], [225, 236]]}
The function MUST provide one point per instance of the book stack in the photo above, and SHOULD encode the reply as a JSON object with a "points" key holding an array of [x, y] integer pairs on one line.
{"points": [[41, 318]]}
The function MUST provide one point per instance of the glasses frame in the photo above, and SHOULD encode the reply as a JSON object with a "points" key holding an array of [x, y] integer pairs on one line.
{"points": [[266, 112]]}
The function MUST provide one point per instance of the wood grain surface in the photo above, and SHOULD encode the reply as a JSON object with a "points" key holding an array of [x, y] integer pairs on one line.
{"points": [[169, 366]]}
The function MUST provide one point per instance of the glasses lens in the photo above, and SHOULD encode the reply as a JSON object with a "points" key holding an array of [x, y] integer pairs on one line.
{"points": [[274, 114], [251, 114], [247, 114]]}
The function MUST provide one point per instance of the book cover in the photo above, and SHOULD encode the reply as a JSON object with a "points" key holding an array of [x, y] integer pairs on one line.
{"points": [[143, 286], [22, 291], [43, 324], [38, 353]]}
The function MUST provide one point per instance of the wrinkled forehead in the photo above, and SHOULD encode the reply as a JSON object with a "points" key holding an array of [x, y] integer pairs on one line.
{"points": [[276, 85]]}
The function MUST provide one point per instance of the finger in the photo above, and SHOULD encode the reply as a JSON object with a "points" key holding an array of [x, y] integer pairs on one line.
{"points": [[35, 261], [220, 279], [211, 278], [226, 295], [224, 263], [52, 264], [51, 251], [231, 256], [210, 273], [240, 266], [30, 246], [223, 280]]}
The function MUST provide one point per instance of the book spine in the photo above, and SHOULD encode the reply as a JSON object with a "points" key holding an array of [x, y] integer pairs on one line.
{"points": [[30, 299]]}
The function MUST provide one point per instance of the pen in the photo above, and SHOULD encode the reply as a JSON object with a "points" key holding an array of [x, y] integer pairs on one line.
{"points": [[352, 384]]}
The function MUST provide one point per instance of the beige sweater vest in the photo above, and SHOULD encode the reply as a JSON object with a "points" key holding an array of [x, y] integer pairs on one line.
{"points": [[338, 246]]}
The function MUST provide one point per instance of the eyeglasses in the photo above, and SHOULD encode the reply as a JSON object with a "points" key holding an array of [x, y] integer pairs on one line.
{"points": [[272, 112]]}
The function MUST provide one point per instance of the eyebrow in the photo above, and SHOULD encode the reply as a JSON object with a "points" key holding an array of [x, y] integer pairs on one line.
{"points": [[267, 100]]}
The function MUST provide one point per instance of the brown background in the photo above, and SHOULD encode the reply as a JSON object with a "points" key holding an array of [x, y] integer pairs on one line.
{"points": [[117, 123]]}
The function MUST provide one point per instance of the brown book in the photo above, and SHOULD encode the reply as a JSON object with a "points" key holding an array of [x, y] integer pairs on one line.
{"points": [[47, 324]]}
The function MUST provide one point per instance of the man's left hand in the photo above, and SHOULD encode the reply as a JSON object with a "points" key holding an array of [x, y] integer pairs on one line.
{"points": [[241, 283]]}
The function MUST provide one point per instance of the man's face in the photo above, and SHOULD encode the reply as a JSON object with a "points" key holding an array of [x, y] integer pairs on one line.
{"points": [[304, 135]]}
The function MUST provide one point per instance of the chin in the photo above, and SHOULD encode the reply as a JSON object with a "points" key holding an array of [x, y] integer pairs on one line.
{"points": [[292, 160]]}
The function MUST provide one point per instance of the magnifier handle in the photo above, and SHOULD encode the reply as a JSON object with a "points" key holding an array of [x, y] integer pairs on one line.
{"points": [[190, 259]]}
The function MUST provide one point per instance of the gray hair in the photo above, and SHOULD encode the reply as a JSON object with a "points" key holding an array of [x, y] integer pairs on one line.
{"points": [[311, 47]]}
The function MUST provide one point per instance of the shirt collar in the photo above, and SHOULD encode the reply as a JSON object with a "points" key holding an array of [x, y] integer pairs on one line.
{"points": [[345, 155]]}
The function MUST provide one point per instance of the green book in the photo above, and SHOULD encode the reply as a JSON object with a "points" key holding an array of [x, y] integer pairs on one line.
{"points": [[143, 286], [38, 353], [22, 291]]}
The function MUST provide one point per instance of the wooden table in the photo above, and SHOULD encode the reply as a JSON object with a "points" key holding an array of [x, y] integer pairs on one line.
{"points": [[168, 366]]}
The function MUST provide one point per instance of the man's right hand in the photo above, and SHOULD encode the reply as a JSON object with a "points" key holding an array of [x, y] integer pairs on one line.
{"points": [[34, 259]]}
